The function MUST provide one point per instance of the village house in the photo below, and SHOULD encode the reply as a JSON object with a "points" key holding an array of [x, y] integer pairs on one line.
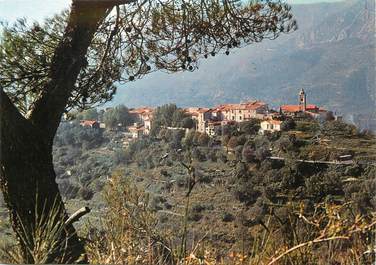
{"points": [[204, 116], [90, 123], [210, 120], [137, 130], [147, 125], [213, 128], [193, 112], [143, 116], [244, 111], [270, 126]]}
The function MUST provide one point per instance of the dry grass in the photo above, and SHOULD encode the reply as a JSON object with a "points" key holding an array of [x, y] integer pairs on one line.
{"points": [[42, 244], [128, 234], [331, 235]]}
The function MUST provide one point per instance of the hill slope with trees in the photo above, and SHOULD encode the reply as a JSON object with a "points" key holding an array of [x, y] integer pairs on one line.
{"points": [[237, 193]]}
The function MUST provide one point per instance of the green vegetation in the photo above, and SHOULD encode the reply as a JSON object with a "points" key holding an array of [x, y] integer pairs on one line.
{"points": [[241, 202], [118, 115], [170, 116]]}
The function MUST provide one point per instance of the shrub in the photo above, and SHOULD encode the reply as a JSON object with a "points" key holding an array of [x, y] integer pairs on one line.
{"points": [[121, 157], [250, 127], [248, 154], [288, 124], [262, 153], [155, 203], [225, 139], [117, 115], [189, 139], [67, 189], [198, 155], [203, 139], [176, 139], [212, 155], [238, 152], [198, 208], [86, 193], [233, 142], [205, 178], [128, 227], [194, 217], [339, 128], [245, 192], [188, 123], [222, 156], [307, 126], [228, 217]]}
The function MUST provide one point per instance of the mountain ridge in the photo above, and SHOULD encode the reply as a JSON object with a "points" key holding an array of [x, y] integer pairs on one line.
{"points": [[331, 56]]}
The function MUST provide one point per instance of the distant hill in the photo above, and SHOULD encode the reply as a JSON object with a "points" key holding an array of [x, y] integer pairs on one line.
{"points": [[332, 56]]}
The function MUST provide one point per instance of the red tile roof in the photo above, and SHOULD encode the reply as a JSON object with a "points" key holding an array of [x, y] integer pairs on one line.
{"points": [[290, 108], [312, 107], [136, 128], [88, 122], [296, 108], [250, 105], [275, 122], [203, 110], [143, 110]]}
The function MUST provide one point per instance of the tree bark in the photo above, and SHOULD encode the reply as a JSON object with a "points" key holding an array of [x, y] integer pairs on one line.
{"points": [[27, 180], [27, 176]]}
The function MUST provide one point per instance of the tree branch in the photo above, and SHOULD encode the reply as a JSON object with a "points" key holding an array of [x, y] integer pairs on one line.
{"points": [[307, 244], [10, 117], [6, 105], [77, 215], [68, 60], [108, 2]]}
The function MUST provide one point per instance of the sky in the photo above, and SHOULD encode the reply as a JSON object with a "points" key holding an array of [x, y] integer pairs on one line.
{"points": [[10, 10]]}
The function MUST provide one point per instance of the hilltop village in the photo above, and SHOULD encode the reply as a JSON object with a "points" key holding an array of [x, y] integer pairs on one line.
{"points": [[242, 166], [211, 121]]}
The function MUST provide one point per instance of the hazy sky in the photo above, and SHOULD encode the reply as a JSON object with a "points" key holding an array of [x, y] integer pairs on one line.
{"points": [[38, 9]]}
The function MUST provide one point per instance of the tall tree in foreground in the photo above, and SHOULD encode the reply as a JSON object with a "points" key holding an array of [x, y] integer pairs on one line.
{"points": [[73, 60]]}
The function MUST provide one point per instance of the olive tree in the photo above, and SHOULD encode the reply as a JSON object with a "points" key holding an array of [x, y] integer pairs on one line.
{"points": [[75, 60]]}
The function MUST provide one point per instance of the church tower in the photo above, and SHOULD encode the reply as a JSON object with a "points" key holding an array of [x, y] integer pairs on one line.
{"points": [[302, 100]]}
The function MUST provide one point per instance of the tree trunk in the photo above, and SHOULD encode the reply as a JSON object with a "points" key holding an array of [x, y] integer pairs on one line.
{"points": [[27, 180], [27, 177]]}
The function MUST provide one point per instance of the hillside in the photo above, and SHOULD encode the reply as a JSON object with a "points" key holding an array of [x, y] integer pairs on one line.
{"points": [[331, 56], [247, 187]]}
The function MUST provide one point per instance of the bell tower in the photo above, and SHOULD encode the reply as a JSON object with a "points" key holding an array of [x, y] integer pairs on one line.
{"points": [[302, 100]]}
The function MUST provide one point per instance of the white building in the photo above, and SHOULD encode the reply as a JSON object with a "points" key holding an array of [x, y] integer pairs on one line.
{"points": [[270, 126]]}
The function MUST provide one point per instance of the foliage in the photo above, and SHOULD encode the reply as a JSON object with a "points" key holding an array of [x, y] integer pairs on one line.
{"points": [[339, 128], [128, 234], [170, 115], [45, 243], [203, 139], [89, 114], [188, 123], [118, 115], [71, 133], [232, 142], [307, 126], [194, 138], [250, 127], [288, 124]]}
